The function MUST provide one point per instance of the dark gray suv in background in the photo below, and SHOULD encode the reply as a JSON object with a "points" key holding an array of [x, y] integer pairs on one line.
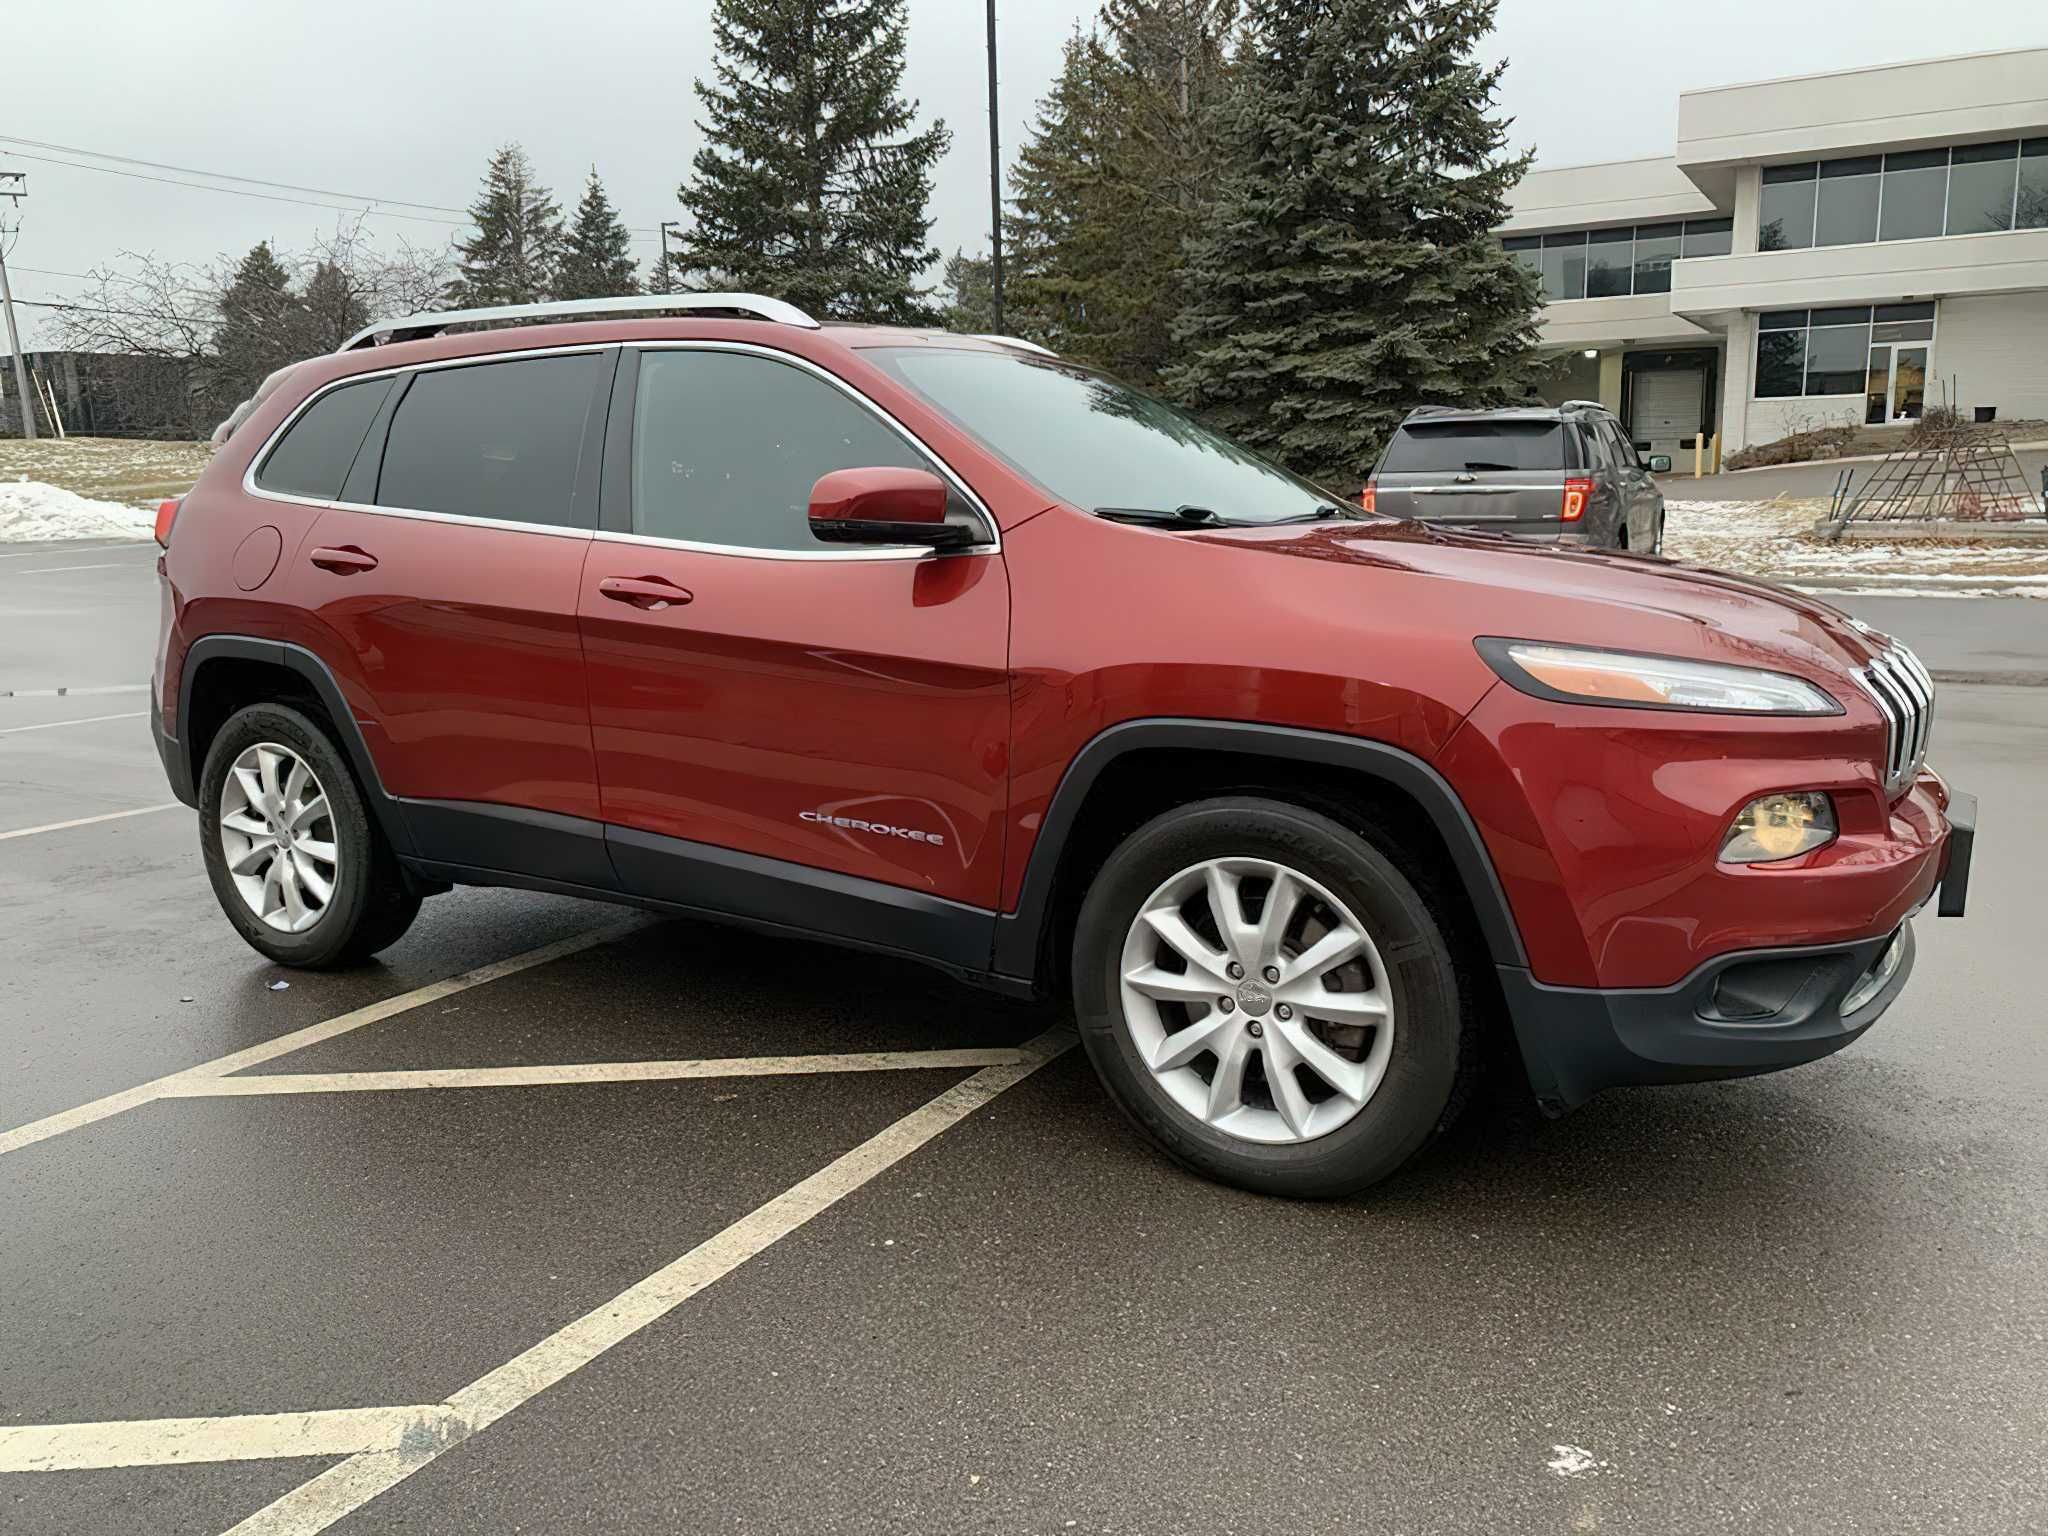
{"points": [[1562, 472]]}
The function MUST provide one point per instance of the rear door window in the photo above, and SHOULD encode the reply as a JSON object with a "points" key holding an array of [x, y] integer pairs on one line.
{"points": [[313, 457], [1474, 447], [495, 440]]}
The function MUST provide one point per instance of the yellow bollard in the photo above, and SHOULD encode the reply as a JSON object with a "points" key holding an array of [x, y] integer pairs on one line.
{"points": [[1717, 453], [1699, 448]]}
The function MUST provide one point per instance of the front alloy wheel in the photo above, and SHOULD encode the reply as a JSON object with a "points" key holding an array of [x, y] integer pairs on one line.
{"points": [[1257, 1000], [1267, 994]]}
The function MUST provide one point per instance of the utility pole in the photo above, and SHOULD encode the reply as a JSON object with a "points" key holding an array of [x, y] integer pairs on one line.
{"points": [[995, 182], [14, 184], [666, 226]]}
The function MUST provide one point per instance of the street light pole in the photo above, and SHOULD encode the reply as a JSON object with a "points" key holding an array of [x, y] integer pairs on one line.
{"points": [[995, 182]]}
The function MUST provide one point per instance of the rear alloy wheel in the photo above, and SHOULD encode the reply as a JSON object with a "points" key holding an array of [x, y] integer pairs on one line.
{"points": [[277, 837], [295, 859], [1267, 995]]}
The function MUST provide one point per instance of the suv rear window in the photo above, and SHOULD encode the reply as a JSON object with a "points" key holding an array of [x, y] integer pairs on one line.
{"points": [[496, 440], [1453, 447], [313, 457]]}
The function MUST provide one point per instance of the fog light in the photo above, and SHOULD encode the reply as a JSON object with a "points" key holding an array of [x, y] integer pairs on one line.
{"points": [[1780, 827]]}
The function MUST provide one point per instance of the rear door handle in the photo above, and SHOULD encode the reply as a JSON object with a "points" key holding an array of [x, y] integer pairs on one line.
{"points": [[344, 560], [650, 593]]}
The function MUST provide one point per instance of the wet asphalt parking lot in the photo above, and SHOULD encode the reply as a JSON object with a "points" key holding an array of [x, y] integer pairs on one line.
{"points": [[763, 1261]]}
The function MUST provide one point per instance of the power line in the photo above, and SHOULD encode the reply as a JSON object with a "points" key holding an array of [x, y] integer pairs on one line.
{"points": [[353, 200], [135, 314], [254, 181], [268, 197]]}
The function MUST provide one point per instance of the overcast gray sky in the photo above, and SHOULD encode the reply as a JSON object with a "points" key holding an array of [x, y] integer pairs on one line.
{"points": [[405, 99]]}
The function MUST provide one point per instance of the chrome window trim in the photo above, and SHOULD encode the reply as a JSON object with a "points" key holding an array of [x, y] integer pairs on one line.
{"points": [[993, 545], [571, 349]]}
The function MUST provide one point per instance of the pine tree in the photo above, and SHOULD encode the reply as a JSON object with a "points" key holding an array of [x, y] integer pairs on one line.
{"points": [[970, 286], [1349, 268], [262, 326], [1114, 178], [333, 308], [1065, 228], [511, 258], [811, 185], [597, 257]]}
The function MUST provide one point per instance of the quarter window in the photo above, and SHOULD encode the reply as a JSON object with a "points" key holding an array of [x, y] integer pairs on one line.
{"points": [[495, 440], [727, 446], [313, 457]]}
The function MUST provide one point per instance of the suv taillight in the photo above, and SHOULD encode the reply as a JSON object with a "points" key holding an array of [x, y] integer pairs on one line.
{"points": [[1369, 497], [166, 514], [1578, 490]]}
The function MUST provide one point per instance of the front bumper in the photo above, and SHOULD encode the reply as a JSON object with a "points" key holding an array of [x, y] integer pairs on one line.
{"points": [[1739, 1014]]}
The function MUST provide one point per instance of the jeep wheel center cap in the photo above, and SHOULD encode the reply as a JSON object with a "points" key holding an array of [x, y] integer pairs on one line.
{"points": [[1254, 999]]}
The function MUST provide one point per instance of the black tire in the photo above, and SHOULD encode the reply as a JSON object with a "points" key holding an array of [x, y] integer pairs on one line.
{"points": [[1429, 1069], [371, 905]]}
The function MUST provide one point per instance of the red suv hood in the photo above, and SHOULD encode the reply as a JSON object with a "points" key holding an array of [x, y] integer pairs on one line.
{"points": [[1495, 585]]}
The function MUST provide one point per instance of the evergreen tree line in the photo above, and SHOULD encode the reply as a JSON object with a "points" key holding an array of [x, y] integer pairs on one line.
{"points": [[1279, 213]]}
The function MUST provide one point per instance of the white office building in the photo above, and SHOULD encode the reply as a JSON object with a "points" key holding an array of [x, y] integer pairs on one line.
{"points": [[1835, 248]]}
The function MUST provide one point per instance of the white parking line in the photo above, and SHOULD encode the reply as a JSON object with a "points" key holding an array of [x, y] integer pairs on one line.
{"points": [[71, 693], [137, 546], [51, 725], [587, 1072], [87, 821], [239, 1437], [149, 1092], [45, 570], [339, 1491]]}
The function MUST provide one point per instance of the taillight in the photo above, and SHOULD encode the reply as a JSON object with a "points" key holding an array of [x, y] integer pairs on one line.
{"points": [[1369, 497], [1578, 490], [167, 514]]}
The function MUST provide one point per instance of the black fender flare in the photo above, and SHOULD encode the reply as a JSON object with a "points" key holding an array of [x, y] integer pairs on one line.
{"points": [[1018, 933], [316, 674]]}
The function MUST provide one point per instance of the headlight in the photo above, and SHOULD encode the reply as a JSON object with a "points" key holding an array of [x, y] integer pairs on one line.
{"points": [[1649, 682], [1780, 827]]}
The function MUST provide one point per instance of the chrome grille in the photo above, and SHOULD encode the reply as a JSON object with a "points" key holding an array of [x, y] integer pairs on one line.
{"points": [[1904, 695]]}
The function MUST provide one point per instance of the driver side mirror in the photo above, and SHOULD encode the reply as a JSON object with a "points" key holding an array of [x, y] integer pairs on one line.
{"points": [[1658, 463], [884, 505]]}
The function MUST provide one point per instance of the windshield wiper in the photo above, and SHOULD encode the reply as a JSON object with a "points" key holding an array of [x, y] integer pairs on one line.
{"points": [[1160, 517], [1485, 464]]}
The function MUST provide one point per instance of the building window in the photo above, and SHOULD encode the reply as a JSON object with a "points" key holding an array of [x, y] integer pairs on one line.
{"points": [[1564, 266], [1528, 251], [1612, 263], [1657, 246], [1915, 192], [1709, 237], [1980, 188], [2033, 189], [1786, 217], [1847, 214], [1828, 351], [1973, 189]]}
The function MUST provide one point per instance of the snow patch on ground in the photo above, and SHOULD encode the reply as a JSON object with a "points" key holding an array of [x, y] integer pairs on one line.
{"points": [[30, 510], [1774, 540]]}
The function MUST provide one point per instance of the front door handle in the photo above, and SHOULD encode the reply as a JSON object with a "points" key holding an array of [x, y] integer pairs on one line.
{"points": [[650, 593], [344, 560]]}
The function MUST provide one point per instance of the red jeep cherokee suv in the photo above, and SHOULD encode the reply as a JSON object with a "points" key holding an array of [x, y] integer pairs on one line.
{"points": [[941, 646]]}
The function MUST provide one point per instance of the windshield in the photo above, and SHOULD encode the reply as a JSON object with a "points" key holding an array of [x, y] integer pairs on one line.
{"points": [[1097, 444]]}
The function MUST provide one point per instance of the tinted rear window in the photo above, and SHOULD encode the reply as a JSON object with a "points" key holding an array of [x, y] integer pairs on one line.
{"points": [[496, 440], [1453, 447], [314, 456]]}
